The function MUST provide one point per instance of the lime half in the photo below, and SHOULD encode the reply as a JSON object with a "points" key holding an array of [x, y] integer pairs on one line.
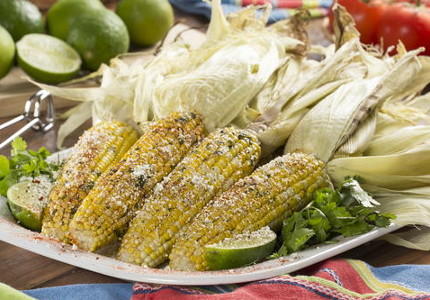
{"points": [[27, 199], [47, 59], [241, 250]]}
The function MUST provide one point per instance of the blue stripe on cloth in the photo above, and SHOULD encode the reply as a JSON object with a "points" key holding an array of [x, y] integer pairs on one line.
{"points": [[198, 7], [111, 291], [414, 277], [326, 3]]}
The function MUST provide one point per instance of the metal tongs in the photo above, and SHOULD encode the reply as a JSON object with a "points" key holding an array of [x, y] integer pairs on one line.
{"points": [[37, 118]]}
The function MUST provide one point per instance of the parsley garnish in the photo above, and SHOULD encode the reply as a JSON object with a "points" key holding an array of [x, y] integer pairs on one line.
{"points": [[23, 163], [348, 211]]}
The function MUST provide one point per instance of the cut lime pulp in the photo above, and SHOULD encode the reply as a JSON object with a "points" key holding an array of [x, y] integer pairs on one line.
{"points": [[27, 199], [241, 250], [47, 59]]}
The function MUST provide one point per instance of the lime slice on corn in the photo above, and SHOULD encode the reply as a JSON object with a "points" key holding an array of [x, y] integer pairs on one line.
{"points": [[241, 250], [27, 199], [47, 59]]}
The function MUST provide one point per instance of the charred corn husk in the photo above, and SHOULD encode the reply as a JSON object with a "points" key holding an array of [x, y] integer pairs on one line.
{"points": [[269, 194], [97, 149], [112, 202], [221, 159]]}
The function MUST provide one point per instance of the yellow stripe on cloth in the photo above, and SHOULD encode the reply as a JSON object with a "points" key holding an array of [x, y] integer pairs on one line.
{"points": [[375, 283]]}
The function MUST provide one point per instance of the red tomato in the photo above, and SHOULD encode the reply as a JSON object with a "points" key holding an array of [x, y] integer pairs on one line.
{"points": [[407, 23], [366, 17], [423, 2]]}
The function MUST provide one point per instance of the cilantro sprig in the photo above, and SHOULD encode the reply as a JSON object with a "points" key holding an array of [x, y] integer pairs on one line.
{"points": [[347, 211], [23, 163]]}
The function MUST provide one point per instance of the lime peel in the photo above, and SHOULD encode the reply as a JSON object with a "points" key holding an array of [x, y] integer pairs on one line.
{"points": [[240, 250], [27, 199], [7, 50]]}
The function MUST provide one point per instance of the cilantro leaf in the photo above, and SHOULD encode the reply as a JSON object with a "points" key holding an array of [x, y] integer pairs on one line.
{"points": [[18, 145], [4, 166], [348, 211], [23, 163], [352, 192], [298, 239]]}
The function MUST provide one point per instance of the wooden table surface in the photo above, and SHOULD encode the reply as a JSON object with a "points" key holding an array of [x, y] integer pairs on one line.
{"points": [[25, 270]]}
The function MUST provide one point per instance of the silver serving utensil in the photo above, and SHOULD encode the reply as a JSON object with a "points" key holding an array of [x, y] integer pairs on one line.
{"points": [[34, 115]]}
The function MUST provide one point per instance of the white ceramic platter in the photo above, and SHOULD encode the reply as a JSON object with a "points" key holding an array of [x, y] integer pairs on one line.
{"points": [[12, 233]]}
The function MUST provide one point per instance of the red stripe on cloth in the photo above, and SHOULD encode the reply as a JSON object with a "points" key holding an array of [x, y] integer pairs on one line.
{"points": [[289, 3], [341, 272], [284, 287], [254, 2], [276, 288]]}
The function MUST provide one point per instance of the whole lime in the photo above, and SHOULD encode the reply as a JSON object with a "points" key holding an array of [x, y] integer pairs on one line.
{"points": [[7, 50], [20, 17], [63, 12], [98, 36], [147, 20]]}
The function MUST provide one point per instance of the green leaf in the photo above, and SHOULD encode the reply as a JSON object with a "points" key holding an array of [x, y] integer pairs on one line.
{"points": [[18, 145], [348, 212], [326, 195], [383, 221], [43, 152], [23, 162], [320, 225], [6, 183], [4, 166], [283, 251], [298, 239], [356, 228], [294, 222], [352, 192]]}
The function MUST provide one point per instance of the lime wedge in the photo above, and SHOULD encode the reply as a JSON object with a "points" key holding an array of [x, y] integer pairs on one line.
{"points": [[27, 199], [241, 250], [47, 59]]}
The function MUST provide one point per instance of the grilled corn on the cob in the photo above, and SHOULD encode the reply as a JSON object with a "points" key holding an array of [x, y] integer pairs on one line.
{"points": [[112, 202], [270, 193], [222, 158], [97, 149]]}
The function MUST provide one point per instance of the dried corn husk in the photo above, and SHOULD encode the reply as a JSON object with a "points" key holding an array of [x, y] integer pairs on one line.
{"points": [[413, 238], [296, 87], [336, 118], [411, 206], [219, 79], [396, 168]]}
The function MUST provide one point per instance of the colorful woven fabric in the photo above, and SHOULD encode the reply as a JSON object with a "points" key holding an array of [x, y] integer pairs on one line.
{"points": [[283, 3], [333, 279], [282, 9]]}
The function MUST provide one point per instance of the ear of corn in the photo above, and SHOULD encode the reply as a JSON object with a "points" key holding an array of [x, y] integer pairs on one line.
{"points": [[211, 167], [111, 204], [98, 148], [269, 194]]}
